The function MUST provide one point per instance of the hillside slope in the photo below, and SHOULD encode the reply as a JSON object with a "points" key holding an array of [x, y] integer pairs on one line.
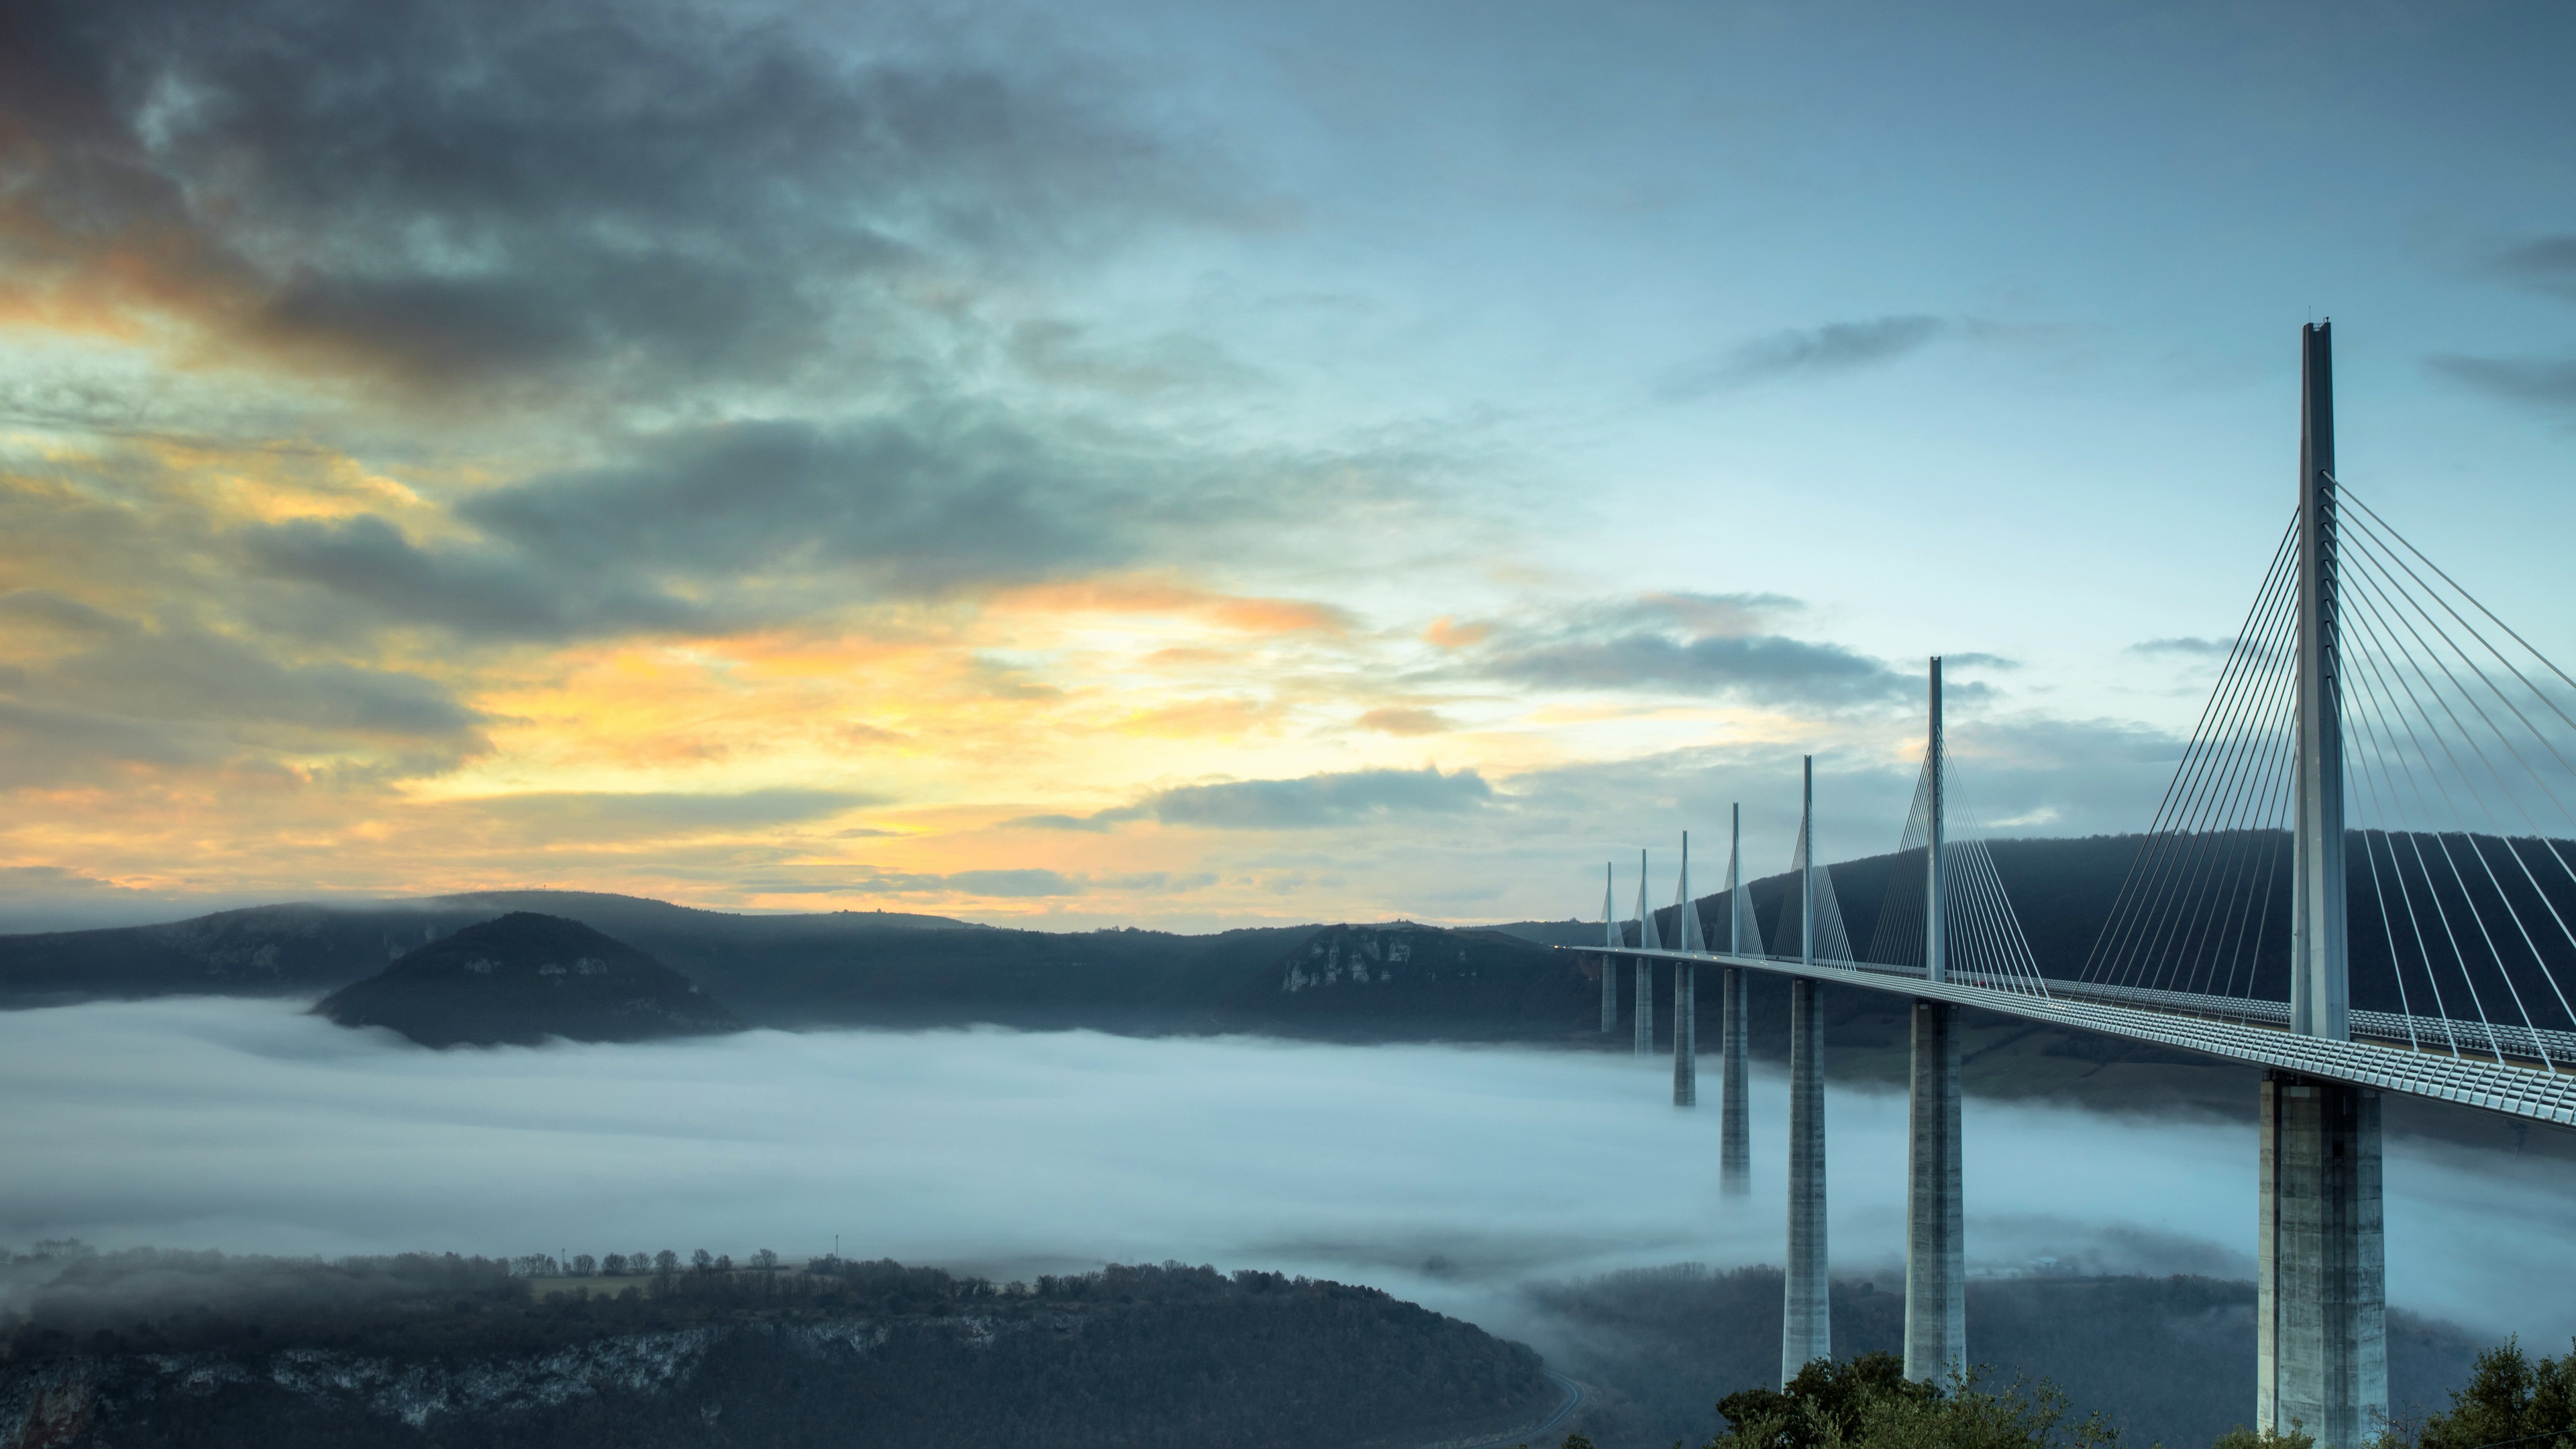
{"points": [[425, 1352], [1402, 981], [523, 978]]}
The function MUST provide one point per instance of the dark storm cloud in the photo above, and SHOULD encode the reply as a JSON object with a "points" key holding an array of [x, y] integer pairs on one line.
{"points": [[2544, 382], [1305, 803], [179, 694], [1836, 347], [1690, 643], [722, 526], [482, 192], [2546, 264]]}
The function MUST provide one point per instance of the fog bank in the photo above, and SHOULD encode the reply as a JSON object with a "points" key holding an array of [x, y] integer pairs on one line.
{"points": [[1445, 1174]]}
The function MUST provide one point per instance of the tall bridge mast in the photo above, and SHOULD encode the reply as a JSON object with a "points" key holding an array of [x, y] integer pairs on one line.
{"points": [[2321, 1319]]}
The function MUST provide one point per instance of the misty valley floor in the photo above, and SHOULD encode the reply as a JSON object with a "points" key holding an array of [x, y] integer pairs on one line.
{"points": [[1450, 1176]]}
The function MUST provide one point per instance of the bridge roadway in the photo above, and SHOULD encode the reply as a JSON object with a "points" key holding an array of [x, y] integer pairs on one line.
{"points": [[2201, 1024]]}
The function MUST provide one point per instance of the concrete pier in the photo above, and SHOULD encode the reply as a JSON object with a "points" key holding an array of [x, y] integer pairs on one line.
{"points": [[1806, 1328], [1936, 1282], [1734, 1135], [2321, 1311], [1645, 1045], [1685, 1033]]}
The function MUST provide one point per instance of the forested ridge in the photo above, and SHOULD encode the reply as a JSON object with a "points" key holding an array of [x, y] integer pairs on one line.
{"points": [[145, 1349]]}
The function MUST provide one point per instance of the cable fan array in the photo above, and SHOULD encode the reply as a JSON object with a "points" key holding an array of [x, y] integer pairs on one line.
{"points": [[1982, 940], [1833, 943], [2460, 839]]}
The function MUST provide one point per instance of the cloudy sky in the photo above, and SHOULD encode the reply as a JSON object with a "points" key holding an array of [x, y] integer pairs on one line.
{"points": [[1191, 463]]}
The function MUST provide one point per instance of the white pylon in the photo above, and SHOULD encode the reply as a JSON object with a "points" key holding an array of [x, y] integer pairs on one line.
{"points": [[1691, 939]]}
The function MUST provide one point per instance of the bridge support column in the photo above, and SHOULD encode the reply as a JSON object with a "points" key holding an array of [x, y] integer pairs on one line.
{"points": [[1936, 1280], [1645, 1043], [1734, 1135], [1685, 1033], [2321, 1315], [1806, 1328]]}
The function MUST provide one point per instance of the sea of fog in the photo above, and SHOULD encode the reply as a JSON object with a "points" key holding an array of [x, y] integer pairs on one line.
{"points": [[1444, 1174]]}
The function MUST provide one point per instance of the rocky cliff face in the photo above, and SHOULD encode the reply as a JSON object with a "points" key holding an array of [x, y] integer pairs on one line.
{"points": [[523, 978], [1397, 979]]}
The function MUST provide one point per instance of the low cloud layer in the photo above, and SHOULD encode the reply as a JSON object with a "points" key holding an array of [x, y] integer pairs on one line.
{"points": [[1826, 351], [2546, 382], [1312, 802], [1706, 644], [247, 1127]]}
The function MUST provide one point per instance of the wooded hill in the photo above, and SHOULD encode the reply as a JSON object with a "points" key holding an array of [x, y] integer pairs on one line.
{"points": [[142, 1350]]}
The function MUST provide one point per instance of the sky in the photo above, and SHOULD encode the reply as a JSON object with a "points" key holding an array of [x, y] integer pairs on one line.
{"points": [[1193, 464], [250, 1127]]}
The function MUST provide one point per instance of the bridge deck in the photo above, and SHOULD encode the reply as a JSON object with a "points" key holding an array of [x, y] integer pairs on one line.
{"points": [[2514, 1088]]}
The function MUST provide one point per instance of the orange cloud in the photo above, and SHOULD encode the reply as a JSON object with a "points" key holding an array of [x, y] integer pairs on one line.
{"points": [[1153, 599], [1450, 634], [1405, 722]]}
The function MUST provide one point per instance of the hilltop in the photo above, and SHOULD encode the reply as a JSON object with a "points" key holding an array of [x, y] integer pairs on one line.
{"points": [[524, 978]]}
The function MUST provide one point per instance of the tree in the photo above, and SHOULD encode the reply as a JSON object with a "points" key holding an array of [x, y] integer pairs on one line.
{"points": [[614, 1265], [2508, 1398], [765, 1260], [2241, 1437], [583, 1265], [702, 1260], [724, 1262], [1869, 1403], [666, 1262]]}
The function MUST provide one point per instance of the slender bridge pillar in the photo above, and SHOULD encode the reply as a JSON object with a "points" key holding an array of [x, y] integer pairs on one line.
{"points": [[1806, 1327], [2321, 1324], [1686, 991], [1685, 1034], [1936, 1281], [1614, 938], [1735, 1138]]}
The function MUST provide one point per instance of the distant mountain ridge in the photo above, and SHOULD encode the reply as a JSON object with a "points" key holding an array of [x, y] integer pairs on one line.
{"points": [[523, 978]]}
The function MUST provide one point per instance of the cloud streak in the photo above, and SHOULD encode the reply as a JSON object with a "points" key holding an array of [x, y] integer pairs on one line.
{"points": [[1831, 350], [1311, 802], [2541, 382]]}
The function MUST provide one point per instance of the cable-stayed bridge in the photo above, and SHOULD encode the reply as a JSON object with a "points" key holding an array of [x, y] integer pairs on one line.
{"points": [[2361, 878]]}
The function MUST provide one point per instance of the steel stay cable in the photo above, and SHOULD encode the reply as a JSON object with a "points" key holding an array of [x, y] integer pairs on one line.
{"points": [[2126, 903], [2484, 865], [2224, 709], [2274, 843], [2374, 536], [2218, 800], [2498, 690], [2373, 660], [2246, 745], [2379, 894], [1977, 932], [2468, 901], [2391, 812], [2510, 849], [2442, 913], [2391, 530], [1981, 871], [2266, 751]]}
